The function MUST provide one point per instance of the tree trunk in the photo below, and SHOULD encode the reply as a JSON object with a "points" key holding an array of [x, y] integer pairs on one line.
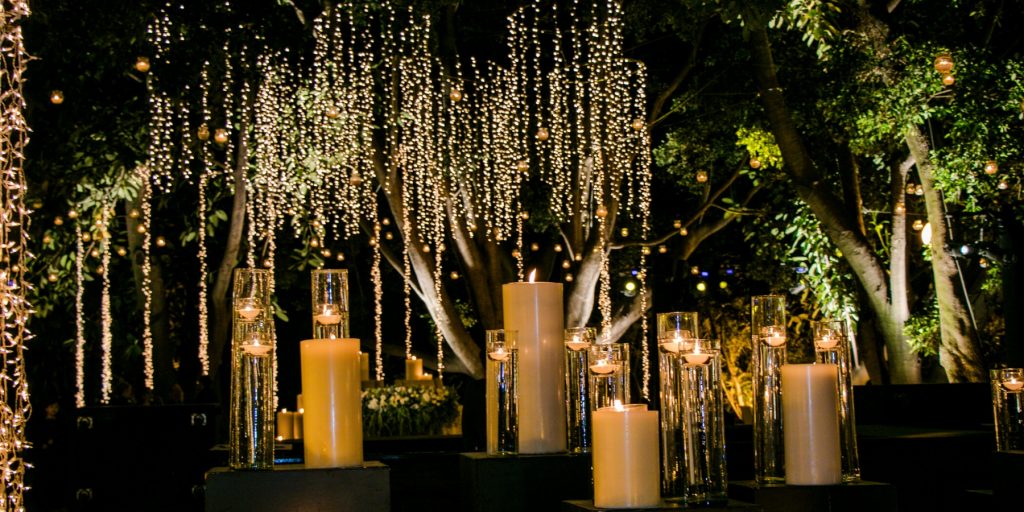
{"points": [[904, 364], [838, 225], [959, 352], [220, 333]]}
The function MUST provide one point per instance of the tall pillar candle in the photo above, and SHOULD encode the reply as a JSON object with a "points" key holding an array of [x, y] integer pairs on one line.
{"points": [[413, 368], [534, 310], [285, 425], [333, 412], [810, 416], [626, 457], [364, 366]]}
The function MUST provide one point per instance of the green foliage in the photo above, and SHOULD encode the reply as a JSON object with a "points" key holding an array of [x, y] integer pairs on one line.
{"points": [[760, 144], [923, 331], [408, 410], [813, 19]]}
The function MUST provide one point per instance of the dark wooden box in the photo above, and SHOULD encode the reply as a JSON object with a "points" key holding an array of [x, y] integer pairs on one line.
{"points": [[852, 497], [294, 488], [731, 506], [496, 483]]}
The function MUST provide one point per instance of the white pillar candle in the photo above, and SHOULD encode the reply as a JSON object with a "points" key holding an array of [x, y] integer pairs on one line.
{"points": [[534, 310], [413, 368], [364, 366], [333, 417], [625, 454], [298, 402], [284, 425], [810, 418], [297, 425]]}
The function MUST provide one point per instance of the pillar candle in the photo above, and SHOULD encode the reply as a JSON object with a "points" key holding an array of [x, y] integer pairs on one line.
{"points": [[284, 425], [298, 402], [364, 366], [296, 425], [810, 418], [626, 462], [413, 368], [534, 310], [333, 417]]}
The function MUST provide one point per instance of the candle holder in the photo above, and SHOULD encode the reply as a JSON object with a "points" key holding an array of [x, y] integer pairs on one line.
{"points": [[252, 418], [330, 304], [703, 422], [832, 346], [608, 370], [502, 398], [768, 330], [675, 331], [1008, 407], [577, 410]]}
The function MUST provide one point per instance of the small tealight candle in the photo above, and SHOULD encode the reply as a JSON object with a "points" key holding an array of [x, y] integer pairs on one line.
{"points": [[1013, 385], [773, 336], [697, 358], [827, 341], [577, 344], [604, 367], [328, 316], [498, 354], [255, 347], [249, 312]]}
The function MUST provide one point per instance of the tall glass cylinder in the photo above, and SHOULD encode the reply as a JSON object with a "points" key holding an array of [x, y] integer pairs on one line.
{"points": [[577, 403], [832, 346], [502, 406], [703, 422], [330, 304], [251, 419], [674, 330], [608, 369], [1008, 407], [768, 330]]}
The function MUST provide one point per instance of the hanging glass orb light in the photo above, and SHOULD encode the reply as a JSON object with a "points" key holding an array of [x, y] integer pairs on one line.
{"points": [[568, 278], [943, 63], [142, 64], [355, 180], [385, 221], [919, 190], [683, 232], [140, 229], [534, 247], [702, 176], [918, 225], [638, 124], [515, 253], [121, 251], [525, 215], [72, 214], [161, 241], [389, 235], [983, 262], [267, 263], [911, 188], [455, 95], [602, 211], [558, 247], [203, 132], [523, 166], [694, 270], [566, 263], [755, 163], [95, 253], [645, 250], [56, 96], [899, 208], [991, 167], [1003, 184], [662, 249], [332, 112], [624, 232], [677, 223], [543, 134], [948, 80], [58, 221], [340, 256], [220, 136]]}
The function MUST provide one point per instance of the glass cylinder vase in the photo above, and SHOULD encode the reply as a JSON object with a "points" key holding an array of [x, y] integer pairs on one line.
{"points": [[252, 418], [700, 368], [577, 402], [832, 346], [608, 370], [674, 330], [768, 330], [502, 403], [1008, 407], [330, 304]]}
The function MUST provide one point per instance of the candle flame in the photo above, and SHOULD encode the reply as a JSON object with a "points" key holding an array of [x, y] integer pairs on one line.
{"points": [[533, 274], [617, 404]]}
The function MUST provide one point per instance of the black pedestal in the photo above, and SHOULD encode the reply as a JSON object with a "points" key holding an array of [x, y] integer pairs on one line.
{"points": [[853, 497], [731, 506], [496, 483], [1007, 469], [292, 487]]}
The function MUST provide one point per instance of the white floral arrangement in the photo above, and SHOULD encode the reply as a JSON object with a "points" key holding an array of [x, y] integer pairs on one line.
{"points": [[408, 411]]}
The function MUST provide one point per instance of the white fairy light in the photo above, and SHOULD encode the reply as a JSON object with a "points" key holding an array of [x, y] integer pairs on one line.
{"points": [[145, 220], [378, 307], [106, 320]]}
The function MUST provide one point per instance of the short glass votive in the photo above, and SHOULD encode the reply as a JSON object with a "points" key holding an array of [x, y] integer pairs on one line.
{"points": [[330, 303], [677, 325], [252, 418], [703, 422], [577, 409], [832, 346], [1008, 407], [608, 371], [768, 328], [502, 398]]}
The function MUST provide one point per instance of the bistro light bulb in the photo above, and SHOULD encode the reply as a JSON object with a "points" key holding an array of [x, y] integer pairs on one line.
{"points": [[943, 63], [702, 176], [56, 96], [220, 136], [991, 167], [142, 64]]}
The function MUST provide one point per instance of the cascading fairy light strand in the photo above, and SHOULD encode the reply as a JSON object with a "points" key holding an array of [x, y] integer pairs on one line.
{"points": [[79, 319], [204, 177], [106, 320], [14, 406], [378, 306], [145, 221]]}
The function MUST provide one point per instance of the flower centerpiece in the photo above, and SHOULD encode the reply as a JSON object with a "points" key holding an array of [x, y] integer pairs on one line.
{"points": [[407, 411]]}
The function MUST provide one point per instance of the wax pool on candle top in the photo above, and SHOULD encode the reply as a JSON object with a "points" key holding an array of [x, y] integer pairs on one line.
{"points": [[810, 416], [534, 310], [1012, 384], [625, 455]]}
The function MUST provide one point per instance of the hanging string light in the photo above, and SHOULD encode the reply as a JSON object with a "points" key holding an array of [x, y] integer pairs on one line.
{"points": [[106, 320], [145, 220], [79, 319]]}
